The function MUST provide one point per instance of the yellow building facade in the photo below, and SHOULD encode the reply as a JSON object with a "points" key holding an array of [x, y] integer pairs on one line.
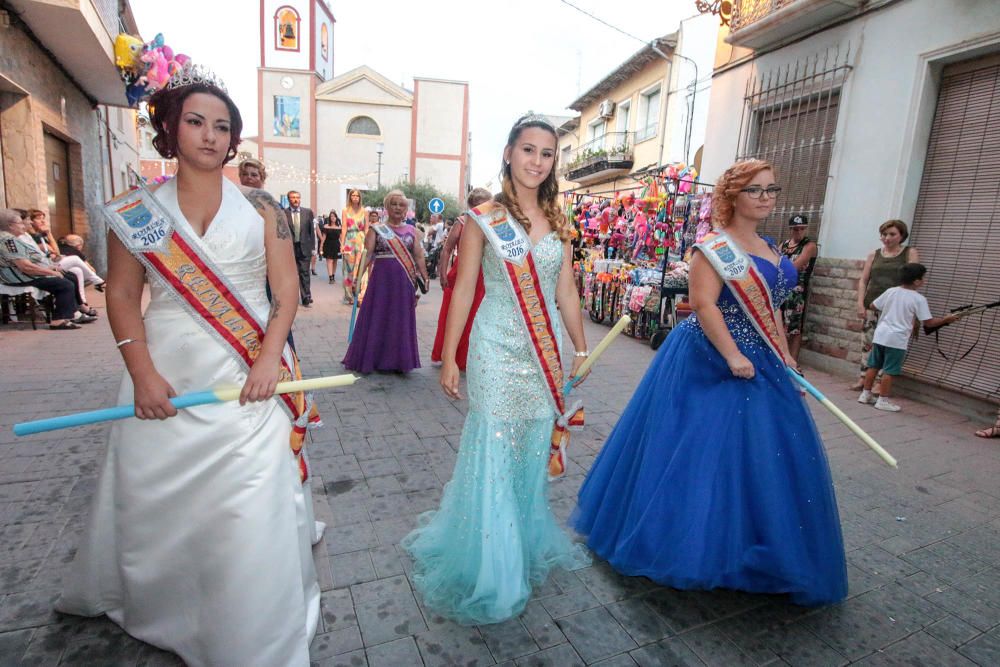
{"points": [[621, 128]]}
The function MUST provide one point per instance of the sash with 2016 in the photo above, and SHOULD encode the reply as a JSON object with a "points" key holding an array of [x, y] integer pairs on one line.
{"points": [[746, 283], [399, 250], [510, 242], [176, 261]]}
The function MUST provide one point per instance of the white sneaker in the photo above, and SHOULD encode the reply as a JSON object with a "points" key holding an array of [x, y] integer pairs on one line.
{"points": [[866, 397], [883, 404], [318, 529]]}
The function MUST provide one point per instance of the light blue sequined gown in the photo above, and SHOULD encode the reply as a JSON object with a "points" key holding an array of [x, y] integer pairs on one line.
{"points": [[477, 557]]}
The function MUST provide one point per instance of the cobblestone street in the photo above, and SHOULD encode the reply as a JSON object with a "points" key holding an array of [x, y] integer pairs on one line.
{"points": [[923, 541]]}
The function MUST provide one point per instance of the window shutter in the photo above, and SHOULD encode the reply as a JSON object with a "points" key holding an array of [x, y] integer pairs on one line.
{"points": [[956, 229]]}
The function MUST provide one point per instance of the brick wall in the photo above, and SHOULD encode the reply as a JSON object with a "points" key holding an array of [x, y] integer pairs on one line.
{"points": [[54, 104], [833, 328]]}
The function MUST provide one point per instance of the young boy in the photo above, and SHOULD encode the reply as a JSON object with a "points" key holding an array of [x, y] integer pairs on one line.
{"points": [[898, 307]]}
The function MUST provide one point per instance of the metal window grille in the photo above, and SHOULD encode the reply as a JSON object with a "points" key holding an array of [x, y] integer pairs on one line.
{"points": [[790, 119]]}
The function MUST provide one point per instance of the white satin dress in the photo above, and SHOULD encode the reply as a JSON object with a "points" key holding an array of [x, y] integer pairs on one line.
{"points": [[199, 539]]}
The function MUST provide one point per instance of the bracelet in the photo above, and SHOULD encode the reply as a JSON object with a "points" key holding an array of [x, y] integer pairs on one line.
{"points": [[123, 343], [585, 353]]}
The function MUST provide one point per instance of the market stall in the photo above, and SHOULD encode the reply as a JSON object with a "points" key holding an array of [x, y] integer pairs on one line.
{"points": [[633, 249]]}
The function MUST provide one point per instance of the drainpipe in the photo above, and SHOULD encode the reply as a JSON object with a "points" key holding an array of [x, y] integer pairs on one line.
{"points": [[694, 92], [107, 137]]}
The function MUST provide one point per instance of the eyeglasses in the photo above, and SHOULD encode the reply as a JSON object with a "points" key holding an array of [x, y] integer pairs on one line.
{"points": [[756, 192]]}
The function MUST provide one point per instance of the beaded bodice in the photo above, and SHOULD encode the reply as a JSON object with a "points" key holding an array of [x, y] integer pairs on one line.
{"points": [[504, 378], [781, 280]]}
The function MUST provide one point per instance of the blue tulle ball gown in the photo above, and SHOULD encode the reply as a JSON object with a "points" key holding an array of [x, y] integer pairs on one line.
{"points": [[713, 481]]}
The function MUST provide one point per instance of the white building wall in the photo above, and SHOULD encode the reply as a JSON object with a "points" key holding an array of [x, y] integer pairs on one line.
{"points": [[696, 40], [271, 86], [886, 109], [119, 148], [278, 183], [440, 106], [444, 174], [345, 156]]}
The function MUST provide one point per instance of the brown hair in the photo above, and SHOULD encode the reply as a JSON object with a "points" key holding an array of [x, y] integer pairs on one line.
{"points": [[904, 232], [728, 187], [361, 201], [36, 213], [548, 192], [478, 196], [165, 108]]}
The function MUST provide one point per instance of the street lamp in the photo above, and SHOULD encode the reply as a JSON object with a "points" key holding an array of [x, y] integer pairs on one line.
{"points": [[379, 148]]}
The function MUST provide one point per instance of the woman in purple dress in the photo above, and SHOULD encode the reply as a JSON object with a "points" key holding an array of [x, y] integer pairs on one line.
{"points": [[385, 335]]}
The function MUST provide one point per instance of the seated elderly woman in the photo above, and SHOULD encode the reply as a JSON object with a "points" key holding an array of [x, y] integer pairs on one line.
{"points": [[41, 233], [72, 245], [23, 264]]}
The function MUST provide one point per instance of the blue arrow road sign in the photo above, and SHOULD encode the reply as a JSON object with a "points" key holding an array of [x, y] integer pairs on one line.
{"points": [[435, 205]]}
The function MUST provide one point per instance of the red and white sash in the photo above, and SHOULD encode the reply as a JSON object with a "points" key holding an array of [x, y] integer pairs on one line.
{"points": [[177, 262], [511, 244], [398, 249], [747, 284]]}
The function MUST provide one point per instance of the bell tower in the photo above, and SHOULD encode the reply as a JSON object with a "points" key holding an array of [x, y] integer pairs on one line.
{"points": [[296, 55]]}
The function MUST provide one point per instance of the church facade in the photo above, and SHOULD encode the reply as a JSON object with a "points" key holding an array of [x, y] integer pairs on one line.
{"points": [[324, 135]]}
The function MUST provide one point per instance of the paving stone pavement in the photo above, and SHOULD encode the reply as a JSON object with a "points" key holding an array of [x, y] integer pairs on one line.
{"points": [[923, 541]]}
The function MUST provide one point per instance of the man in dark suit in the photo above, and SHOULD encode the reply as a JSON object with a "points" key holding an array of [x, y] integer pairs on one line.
{"points": [[300, 221]]}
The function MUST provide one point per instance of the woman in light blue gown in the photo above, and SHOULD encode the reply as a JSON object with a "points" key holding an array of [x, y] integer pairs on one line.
{"points": [[477, 557]]}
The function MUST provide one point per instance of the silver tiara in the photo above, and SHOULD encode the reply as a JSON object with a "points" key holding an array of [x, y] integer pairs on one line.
{"points": [[532, 117], [191, 73]]}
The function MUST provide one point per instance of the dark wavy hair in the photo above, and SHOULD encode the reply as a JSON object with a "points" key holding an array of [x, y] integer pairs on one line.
{"points": [[165, 115]]}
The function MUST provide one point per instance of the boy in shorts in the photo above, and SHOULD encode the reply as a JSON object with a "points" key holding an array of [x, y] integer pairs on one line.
{"points": [[899, 307]]}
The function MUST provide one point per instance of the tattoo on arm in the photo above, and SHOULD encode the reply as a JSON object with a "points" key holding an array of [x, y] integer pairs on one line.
{"points": [[268, 206], [275, 307]]}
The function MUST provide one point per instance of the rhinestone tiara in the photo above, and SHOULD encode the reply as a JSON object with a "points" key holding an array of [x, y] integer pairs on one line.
{"points": [[532, 117], [191, 73]]}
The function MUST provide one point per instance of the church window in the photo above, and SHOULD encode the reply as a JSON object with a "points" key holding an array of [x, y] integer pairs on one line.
{"points": [[286, 29], [363, 125]]}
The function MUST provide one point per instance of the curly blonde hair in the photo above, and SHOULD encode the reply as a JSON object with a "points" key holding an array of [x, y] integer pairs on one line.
{"points": [[729, 185], [548, 192]]}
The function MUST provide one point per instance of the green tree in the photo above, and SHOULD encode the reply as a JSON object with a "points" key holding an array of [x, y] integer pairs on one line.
{"points": [[421, 193]]}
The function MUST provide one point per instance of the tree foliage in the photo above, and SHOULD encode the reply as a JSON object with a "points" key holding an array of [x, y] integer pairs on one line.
{"points": [[421, 192]]}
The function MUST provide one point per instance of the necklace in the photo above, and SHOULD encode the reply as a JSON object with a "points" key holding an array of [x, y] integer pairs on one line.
{"points": [[899, 250]]}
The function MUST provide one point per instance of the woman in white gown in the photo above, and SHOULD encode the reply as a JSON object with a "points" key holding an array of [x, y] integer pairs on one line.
{"points": [[198, 540]]}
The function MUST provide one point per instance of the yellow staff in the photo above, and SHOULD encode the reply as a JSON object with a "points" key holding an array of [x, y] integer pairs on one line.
{"points": [[598, 351]]}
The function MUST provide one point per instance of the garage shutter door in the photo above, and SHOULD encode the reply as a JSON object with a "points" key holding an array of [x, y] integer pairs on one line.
{"points": [[957, 230]]}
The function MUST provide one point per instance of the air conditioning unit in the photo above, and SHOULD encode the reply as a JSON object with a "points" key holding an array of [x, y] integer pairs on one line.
{"points": [[607, 109]]}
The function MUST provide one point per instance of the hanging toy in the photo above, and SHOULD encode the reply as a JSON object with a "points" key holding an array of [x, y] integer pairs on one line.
{"points": [[128, 50], [157, 70]]}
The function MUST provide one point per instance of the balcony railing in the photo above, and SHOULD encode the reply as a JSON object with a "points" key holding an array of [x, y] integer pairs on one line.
{"points": [[108, 11], [746, 12], [612, 151], [758, 24]]}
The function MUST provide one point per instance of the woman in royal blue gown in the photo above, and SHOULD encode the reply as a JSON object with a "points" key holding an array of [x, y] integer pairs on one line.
{"points": [[715, 475]]}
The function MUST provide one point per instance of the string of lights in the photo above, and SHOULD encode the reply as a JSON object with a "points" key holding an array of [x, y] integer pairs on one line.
{"points": [[285, 172]]}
